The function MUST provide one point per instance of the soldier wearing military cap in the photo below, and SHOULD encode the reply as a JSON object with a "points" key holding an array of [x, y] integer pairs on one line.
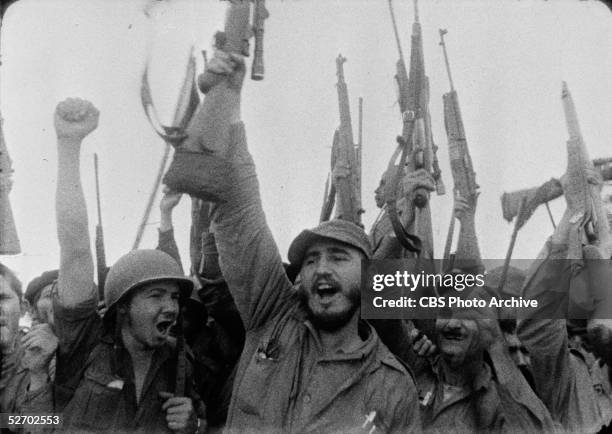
{"points": [[309, 363]]}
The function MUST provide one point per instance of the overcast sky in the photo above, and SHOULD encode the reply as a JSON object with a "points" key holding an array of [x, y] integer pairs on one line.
{"points": [[508, 59]]}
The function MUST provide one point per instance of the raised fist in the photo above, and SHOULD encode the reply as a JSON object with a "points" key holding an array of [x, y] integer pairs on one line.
{"points": [[75, 118], [416, 180]]}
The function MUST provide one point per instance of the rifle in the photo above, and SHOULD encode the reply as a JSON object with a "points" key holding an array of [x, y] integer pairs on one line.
{"points": [[583, 198], [543, 194], [210, 126], [345, 170], [417, 149], [235, 39], [9, 240], [100, 252], [464, 177]]}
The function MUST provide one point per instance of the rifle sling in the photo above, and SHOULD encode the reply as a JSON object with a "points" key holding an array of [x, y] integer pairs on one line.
{"points": [[408, 241]]}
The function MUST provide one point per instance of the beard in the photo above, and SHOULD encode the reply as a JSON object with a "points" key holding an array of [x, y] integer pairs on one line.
{"points": [[330, 321]]}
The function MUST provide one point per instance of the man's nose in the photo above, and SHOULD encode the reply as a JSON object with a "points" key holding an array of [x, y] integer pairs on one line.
{"points": [[323, 267], [170, 305]]}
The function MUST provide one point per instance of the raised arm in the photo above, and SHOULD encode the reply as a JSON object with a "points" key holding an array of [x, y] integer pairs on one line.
{"points": [[248, 256], [546, 339], [467, 244], [74, 119]]}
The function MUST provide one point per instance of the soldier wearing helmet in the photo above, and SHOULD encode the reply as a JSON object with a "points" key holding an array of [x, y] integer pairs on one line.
{"points": [[123, 372]]}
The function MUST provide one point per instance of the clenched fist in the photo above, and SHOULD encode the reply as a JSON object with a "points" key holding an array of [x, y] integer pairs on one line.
{"points": [[180, 414], [75, 118]]}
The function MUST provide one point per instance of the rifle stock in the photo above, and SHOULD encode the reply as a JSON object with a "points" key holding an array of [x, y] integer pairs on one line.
{"points": [[9, 241]]}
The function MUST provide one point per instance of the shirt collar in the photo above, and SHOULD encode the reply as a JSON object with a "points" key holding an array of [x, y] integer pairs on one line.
{"points": [[368, 346]]}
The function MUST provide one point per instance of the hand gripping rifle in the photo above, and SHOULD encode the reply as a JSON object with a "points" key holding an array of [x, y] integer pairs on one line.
{"points": [[9, 241], [235, 39], [208, 131], [415, 143], [462, 169]]}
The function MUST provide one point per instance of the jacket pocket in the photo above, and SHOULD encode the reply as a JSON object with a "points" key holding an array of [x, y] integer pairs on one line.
{"points": [[256, 384], [101, 401]]}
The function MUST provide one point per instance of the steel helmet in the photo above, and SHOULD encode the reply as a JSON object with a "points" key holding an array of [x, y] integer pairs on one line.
{"points": [[140, 267]]}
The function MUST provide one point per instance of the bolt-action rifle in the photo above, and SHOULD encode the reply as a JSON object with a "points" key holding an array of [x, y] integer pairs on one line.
{"points": [[464, 177], [415, 143], [583, 197]]}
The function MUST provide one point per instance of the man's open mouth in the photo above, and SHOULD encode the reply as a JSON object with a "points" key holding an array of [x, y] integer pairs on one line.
{"points": [[326, 290], [164, 326], [454, 335]]}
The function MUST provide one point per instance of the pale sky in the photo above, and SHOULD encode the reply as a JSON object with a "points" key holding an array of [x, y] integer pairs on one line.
{"points": [[508, 59]]}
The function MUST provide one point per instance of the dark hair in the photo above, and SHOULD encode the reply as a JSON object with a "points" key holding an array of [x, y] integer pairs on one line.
{"points": [[12, 280], [36, 285]]}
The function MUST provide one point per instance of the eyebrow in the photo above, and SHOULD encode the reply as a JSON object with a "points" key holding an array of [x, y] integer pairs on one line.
{"points": [[337, 250], [161, 289], [333, 250]]}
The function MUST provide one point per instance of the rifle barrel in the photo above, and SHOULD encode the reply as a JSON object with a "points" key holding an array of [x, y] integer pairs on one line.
{"points": [[448, 70], [396, 32]]}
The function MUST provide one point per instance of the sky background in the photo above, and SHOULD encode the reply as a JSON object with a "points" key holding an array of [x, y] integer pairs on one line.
{"points": [[508, 59]]}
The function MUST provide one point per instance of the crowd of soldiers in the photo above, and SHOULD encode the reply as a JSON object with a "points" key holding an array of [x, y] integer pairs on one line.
{"points": [[246, 343]]}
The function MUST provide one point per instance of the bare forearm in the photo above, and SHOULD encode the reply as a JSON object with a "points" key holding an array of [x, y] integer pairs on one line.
{"points": [[72, 227]]}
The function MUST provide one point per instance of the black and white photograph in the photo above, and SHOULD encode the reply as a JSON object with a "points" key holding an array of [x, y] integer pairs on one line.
{"points": [[291, 216]]}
